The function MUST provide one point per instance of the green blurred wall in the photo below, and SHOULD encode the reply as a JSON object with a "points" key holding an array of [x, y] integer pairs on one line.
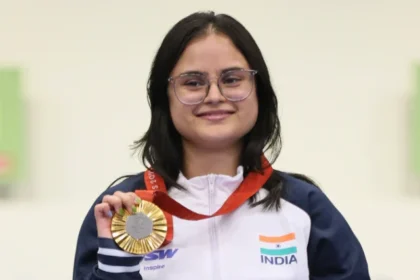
{"points": [[11, 127], [415, 125]]}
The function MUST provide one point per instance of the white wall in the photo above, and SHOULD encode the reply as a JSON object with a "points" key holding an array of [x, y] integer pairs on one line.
{"points": [[342, 70]]}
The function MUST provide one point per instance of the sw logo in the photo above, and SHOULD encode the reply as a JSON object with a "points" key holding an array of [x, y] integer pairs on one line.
{"points": [[160, 254], [277, 250]]}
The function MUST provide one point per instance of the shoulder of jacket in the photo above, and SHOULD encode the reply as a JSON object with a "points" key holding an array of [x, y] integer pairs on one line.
{"points": [[298, 182], [129, 183], [301, 191]]}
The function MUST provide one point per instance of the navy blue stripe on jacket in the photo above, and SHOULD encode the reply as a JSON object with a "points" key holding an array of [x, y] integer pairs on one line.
{"points": [[100, 258]]}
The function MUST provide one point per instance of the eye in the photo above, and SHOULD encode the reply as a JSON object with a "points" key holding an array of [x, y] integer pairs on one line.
{"points": [[193, 83], [231, 80]]}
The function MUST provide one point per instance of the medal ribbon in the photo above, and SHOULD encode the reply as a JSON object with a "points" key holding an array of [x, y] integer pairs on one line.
{"points": [[157, 193]]}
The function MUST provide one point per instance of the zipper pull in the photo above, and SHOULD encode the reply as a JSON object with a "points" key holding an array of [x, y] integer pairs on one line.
{"points": [[211, 180]]}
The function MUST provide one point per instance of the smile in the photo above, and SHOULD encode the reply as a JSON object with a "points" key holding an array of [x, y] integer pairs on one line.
{"points": [[215, 115]]}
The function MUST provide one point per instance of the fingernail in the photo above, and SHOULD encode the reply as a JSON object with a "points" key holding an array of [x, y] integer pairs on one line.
{"points": [[134, 209], [121, 211], [110, 214]]}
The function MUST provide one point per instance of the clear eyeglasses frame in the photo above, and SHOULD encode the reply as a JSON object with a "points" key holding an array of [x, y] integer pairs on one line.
{"points": [[193, 88]]}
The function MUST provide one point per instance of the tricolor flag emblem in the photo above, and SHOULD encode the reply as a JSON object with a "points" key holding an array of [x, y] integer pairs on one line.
{"points": [[278, 250], [278, 245]]}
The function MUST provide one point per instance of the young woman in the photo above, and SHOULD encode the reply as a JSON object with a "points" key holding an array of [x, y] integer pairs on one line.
{"points": [[214, 113]]}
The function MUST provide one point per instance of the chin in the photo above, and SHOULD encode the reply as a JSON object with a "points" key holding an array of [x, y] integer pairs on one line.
{"points": [[214, 137], [217, 144], [218, 139]]}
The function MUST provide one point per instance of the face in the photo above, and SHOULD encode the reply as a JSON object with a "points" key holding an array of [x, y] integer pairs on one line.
{"points": [[216, 122]]}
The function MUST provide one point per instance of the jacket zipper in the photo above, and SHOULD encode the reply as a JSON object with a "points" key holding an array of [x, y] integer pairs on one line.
{"points": [[214, 244]]}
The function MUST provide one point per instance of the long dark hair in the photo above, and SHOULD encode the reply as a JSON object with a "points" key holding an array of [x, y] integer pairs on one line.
{"points": [[161, 145]]}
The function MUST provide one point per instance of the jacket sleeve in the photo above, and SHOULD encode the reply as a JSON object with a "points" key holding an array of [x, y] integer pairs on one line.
{"points": [[100, 258], [334, 252]]}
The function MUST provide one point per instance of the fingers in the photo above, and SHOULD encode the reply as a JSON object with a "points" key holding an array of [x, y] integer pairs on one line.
{"points": [[103, 217], [113, 202], [128, 200], [120, 201], [103, 210], [116, 203]]}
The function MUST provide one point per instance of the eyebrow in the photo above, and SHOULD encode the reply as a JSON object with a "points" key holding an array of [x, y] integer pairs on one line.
{"points": [[196, 72]]}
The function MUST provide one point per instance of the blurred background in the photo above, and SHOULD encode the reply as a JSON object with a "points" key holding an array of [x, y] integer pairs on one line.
{"points": [[73, 98]]}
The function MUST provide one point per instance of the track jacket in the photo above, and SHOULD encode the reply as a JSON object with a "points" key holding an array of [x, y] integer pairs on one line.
{"points": [[307, 239]]}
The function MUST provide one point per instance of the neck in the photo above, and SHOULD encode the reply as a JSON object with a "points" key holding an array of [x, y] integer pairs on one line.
{"points": [[199, 162]]}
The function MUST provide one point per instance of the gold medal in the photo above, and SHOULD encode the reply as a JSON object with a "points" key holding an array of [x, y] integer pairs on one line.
{"points": [[142, 232]]}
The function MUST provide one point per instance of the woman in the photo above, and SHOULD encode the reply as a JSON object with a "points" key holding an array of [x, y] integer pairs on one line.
{"points": [[213, 112]]}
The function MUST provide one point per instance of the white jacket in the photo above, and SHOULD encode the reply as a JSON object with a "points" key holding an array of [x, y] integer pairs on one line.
{"points": [[307, 239]]}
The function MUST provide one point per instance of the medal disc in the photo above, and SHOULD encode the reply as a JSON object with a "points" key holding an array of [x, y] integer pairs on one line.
{"points": [[142, 232]]}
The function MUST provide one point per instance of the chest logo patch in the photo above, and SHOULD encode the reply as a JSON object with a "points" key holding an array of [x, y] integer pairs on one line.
{"points": [[278, 250]]}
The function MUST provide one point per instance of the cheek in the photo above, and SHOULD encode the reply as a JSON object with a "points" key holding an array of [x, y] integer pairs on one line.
{"points": [[250, 111], [180, 114], [175, 109]]}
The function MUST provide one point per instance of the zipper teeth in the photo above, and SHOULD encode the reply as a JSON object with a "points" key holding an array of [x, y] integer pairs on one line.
{"points": [[213, 231]]}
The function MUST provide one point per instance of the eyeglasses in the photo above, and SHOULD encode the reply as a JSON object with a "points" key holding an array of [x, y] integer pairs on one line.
{"points": [[192, 88]]}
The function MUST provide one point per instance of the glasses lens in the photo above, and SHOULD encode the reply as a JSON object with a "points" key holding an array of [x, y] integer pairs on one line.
{"points": [[191, 88], [236, 85]]}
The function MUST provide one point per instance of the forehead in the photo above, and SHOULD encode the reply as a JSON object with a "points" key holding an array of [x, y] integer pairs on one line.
{"points": [[211, 54]]}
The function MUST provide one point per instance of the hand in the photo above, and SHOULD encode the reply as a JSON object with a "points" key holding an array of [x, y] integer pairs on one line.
{"points": [[111, 204]]}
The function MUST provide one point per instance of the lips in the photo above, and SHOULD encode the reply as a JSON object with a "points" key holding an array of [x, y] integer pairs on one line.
{"points": [[215, 115]]}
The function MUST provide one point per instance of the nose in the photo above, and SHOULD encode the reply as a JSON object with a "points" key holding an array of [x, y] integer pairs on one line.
{"points": [[214, 95]]}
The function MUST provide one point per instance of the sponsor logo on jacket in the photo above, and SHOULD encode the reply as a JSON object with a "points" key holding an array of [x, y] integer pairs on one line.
{"points": [[161, 254], [157, 256]]}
